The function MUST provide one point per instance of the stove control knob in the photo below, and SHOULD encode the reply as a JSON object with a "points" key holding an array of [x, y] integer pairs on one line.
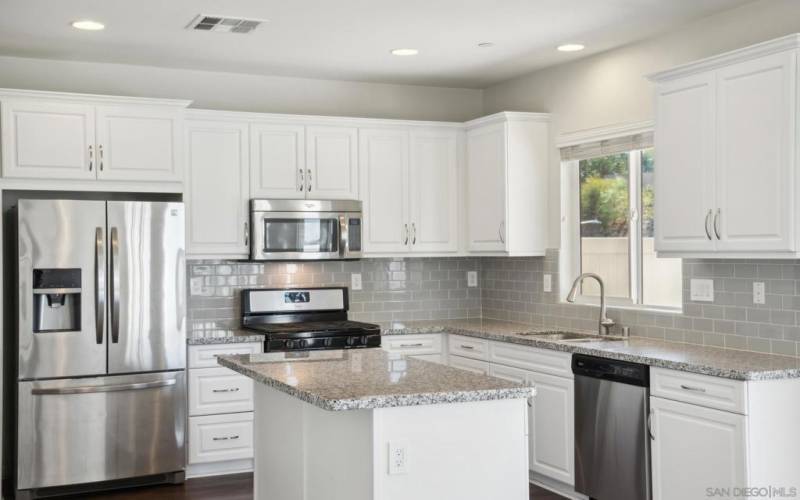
{"points": [[328, 342], [301, 344], [290, 344], [364, 340], [352, 341]]}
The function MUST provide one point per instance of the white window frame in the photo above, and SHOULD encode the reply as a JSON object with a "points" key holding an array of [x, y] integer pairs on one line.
{"points": [[570, 255]]}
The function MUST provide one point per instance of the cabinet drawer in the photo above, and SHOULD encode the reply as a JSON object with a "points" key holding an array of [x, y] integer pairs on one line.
{"points": [[468, 364], [531, 358], [219, 390], [703, 390], [205, 356], [413, 344], [216, 438], [468, 347]]}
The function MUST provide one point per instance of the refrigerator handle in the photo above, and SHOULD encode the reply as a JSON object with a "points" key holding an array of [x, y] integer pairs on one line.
{"points": [[114, 285], [99, 284]]}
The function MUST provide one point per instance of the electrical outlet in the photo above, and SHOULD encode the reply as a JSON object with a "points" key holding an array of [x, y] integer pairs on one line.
{"points": [[355, 281], [759, 294], [398, 457], [701, 290], [548, 282], [472, 278]]}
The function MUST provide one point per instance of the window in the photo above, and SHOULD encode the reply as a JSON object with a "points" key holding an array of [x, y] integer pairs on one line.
{"points": [[609, 226]]}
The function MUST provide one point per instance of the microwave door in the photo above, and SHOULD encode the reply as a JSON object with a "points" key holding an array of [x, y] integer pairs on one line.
{"points": [[147, 302], [61, 288], [296, 236]]}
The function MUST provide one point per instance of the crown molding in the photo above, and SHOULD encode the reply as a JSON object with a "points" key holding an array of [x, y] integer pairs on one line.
{"points": [[603, 133], [94, 98]]}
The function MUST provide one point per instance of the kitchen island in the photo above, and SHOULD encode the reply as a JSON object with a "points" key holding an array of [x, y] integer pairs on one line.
{"points": [[364, 424]]}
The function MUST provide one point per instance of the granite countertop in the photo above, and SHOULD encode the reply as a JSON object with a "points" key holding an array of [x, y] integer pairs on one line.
{"points": [[222, 336], [358, 379], [714, 361]]}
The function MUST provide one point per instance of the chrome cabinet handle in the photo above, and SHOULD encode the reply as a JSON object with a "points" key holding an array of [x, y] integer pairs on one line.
{"points": [[100, 155], [691, 388], [717, 216], [705, 225], [413, 233], [225, 438], [412, 345], [500, 231], [405, 242], [464, 346], [308, 185], [91, 157], [301, 175], [115, 285], [649, 426], [246, 234], [86, 389], [232, 389], [99, 284]]}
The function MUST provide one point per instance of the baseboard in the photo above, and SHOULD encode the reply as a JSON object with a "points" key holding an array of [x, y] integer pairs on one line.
{"points": [[219, 468], [555, 486]]}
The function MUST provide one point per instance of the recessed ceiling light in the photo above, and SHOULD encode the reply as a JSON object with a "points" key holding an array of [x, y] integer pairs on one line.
{"points": [[571, 47], [486, 45], [88, 25], [405, 52]]}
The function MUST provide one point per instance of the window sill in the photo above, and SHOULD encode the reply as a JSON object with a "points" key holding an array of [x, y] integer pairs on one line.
{"points": [[610, 304]]}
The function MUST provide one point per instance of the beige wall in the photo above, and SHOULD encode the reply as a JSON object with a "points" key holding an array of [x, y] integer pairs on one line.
{"points": [[240, 92], [609, 88]]}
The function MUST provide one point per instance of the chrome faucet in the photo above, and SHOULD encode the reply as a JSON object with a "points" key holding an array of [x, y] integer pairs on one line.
{"points": [[605, 322]]}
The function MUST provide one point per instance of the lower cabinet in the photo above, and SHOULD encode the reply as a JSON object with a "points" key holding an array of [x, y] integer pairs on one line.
{"points": [[427, 346], [468, 364], [220, 412]]}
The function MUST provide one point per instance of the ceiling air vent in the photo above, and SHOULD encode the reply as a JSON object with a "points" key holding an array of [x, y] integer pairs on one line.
{"points": [[224, 24]]}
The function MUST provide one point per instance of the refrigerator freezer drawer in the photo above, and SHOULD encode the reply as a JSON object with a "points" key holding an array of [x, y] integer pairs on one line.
{"points": [[75, 431]]}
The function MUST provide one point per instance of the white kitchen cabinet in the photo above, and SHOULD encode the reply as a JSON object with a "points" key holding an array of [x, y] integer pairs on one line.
{"points": [[725, 140], [331, 162], [219, 390], [468, 364], [139, 143], [278, 160], [694, 448], [48, 135], [217, 189], [507, 160], [409, 186], [552, 427]]}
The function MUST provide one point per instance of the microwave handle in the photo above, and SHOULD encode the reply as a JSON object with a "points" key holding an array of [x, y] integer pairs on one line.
{"points": [[344, 236]]}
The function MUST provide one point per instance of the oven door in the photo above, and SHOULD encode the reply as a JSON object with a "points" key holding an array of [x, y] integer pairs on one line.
{"points": [[295, 236], [350, 228]]}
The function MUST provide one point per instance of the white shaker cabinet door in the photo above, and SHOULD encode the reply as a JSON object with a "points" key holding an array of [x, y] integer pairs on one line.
{"points": [[486, 188], [331, 162], [434, 190], [384, 187], [552, 427], [685, 164], [755, 175], [217, 189], [694, 448], [139, 143], [48, 140], [278, 166]]}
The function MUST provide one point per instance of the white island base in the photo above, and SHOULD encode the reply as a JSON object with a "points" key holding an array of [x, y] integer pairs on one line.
{"points": [[455, 451]]}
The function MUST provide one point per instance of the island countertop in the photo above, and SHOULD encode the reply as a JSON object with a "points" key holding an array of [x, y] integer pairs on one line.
{"points": [[358, 379]]}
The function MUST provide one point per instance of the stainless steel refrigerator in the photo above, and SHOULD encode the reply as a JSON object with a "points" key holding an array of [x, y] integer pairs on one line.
{"points": [[101, 342]]}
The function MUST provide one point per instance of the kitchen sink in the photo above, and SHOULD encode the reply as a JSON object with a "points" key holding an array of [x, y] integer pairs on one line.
{"points": [[571, 337]]}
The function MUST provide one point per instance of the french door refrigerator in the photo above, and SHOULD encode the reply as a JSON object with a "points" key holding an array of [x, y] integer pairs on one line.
{"points": [[101, 342]]}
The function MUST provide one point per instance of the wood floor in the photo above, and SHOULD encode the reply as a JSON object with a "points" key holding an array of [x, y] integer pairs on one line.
{"points": [[232, 487]]}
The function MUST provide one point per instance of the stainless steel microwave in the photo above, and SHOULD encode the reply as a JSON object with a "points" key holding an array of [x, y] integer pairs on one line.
{"points": [[305, 229]]}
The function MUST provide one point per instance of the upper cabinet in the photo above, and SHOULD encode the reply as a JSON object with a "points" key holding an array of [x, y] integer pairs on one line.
{"points": [[507, 161], [58, 137], [726, 139], [409, 186], [292, 160]]}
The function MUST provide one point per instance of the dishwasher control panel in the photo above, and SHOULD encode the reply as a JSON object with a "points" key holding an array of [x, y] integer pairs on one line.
{"points": [[611, 369]]}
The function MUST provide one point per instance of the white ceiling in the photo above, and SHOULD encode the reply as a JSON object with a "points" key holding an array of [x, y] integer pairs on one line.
{"points": [[344, 39]]}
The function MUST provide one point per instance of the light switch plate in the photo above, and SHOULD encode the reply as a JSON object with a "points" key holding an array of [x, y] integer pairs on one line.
{"points": [[759, 293], [472, 278], [355, 281], [702, 290], [548, 282]]}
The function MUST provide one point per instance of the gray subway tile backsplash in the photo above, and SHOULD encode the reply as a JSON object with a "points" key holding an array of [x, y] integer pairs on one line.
{"points": [[511, 289]]}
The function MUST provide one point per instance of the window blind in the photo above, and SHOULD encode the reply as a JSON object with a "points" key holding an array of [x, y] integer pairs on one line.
{"points": [[607, 147]]}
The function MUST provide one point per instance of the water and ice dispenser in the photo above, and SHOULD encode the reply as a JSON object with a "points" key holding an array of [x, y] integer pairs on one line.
{"points": [[56, 300]]}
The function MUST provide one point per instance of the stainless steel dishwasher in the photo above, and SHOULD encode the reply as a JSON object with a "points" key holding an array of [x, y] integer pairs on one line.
{"points": [[612, 445]]}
